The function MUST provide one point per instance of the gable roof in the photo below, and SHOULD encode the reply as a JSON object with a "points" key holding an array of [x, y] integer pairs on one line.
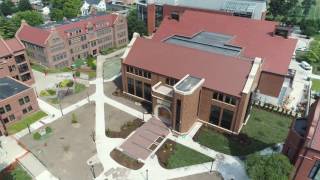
{"points": [[314, 127], [177, 61], [254, 36], [10, 46], [39, 35]]}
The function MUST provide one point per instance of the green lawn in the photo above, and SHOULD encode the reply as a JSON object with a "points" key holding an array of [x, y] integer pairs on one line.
{"points": [[263, 130], [174, 155], [315, 85], [18, 173], [22, 124], [44, 69], [79, 88]]}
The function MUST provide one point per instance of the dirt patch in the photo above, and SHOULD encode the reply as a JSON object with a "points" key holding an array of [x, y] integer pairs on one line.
{"points": [[165, 152], [125, 129], [125, 160]]}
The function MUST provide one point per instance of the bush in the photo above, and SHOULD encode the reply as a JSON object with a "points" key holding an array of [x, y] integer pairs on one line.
{"points": [[36, 136], [44, 93], [48, 130], [74, 119], [269, 167], [77, 73], [66, 83], [51, 92]]}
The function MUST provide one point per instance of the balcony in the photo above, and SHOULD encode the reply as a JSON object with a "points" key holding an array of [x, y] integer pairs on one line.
{"points": [[163, 90]]}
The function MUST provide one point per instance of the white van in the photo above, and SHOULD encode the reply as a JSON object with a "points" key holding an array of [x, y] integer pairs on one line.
{"points": [[305, 65]]}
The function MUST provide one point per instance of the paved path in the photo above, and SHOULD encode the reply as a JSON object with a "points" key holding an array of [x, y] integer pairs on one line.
{"points": [[315, 76]]}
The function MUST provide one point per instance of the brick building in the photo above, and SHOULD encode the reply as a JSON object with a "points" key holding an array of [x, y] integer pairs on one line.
{"points": [[153, 11], [13, 61], [16, 100], [59, 45], [204, 66], [302, 145], [17, 97]]}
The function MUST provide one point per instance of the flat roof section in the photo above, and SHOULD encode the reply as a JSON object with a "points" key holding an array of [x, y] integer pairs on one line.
{"points": [[207, 41], [10, 87], [188, 84]]}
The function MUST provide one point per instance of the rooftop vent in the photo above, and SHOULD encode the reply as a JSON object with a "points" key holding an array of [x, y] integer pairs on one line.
{"points": [[282, 30]]}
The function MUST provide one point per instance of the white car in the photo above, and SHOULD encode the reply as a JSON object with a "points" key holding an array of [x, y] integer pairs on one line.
{"points": [[305, 65]]}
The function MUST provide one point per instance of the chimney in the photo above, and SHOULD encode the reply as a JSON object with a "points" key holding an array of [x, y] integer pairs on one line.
{"points": [[282, 30]]}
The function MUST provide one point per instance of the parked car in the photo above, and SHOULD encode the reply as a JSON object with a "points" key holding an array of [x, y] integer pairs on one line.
{"points": [[305, 65]]}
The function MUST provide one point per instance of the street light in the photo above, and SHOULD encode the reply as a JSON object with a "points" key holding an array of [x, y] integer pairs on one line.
{"points": [[211, 166], [92, 171], [147, 174]]}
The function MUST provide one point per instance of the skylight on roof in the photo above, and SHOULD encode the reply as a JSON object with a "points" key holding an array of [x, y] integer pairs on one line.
{"points": [[207, 41]]}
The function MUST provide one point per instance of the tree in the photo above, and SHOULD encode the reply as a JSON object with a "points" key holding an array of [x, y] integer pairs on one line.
{"points": [[69, 8], [135, 24], [56, 15], [33, 18], [24, 5], [7, 7], [7, 28], [268, 167]]}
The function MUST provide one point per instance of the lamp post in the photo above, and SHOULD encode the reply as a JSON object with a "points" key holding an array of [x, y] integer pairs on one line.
{"points": [[211, 166], [92, 171], [147, 174]]}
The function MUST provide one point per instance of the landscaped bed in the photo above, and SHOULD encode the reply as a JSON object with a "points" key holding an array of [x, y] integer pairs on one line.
{"points": [[264, 129], [125, 160], [24, 122], [174, 155], [315, 85], [126, 129], [14, 172]]}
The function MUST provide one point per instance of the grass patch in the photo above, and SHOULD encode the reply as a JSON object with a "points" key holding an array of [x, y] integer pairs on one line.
{"points": [[315, 85], [22, 124], [44, 69], [79, 88], [174, 155], [14, 172], [125, 129], [264, 129]]}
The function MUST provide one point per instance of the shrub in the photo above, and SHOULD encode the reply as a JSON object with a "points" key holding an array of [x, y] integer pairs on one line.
{"points": [[44, 93], [276, 166], [37, 136], [48, 130], [74, 118], [66, 83], [77, 74]]}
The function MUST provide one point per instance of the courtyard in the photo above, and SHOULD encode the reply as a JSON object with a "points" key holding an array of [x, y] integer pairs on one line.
{"points": [[66, 149], [264, 129]]}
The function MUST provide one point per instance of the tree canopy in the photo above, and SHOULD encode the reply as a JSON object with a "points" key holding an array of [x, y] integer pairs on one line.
{"points": [[24, 5], [135, 24], [65, 8], [7, 7], [269, 167], [8, 27]]}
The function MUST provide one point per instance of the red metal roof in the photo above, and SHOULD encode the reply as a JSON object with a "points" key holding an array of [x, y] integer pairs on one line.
{"points": [[314, 126], [39, 36], [33, 35], [10, 46], [255, 36], [222, 73]]}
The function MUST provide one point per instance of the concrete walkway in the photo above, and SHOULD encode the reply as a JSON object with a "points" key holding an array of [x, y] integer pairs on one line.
{"points": [[315, 76]]}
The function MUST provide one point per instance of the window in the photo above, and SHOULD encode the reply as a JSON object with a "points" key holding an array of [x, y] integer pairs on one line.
{"points": [[218, 96], [147, 91], [24, 111], [136, 71], [138, 88], [215, 115], [178, 111], [26, 99], [315, 171], [226, 119], [5, 120], [21, 101], [230, 100], [30, 108], [147, 74], [2, 110], [8, 107], [11, 117], [130, 86], [171, 81], [140, 72]]}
